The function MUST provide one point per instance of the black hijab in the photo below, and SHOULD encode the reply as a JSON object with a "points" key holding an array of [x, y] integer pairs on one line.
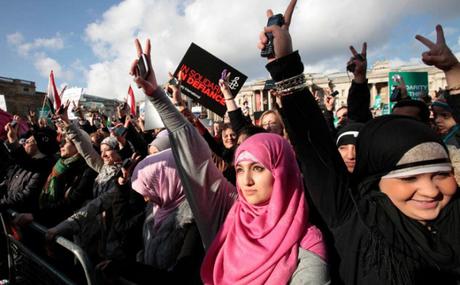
{"points": [[402, 250], [348, 134]]}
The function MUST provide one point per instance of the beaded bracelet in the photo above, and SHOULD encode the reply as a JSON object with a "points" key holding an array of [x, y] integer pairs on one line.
{"points": [[290, 82], [289, 91], [290, 85]]}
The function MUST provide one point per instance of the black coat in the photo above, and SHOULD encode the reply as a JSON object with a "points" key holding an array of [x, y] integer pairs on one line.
{"points": [[354, 222], [23, 181]]}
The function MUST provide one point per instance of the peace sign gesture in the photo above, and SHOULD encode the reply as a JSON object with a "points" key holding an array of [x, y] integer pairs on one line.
{"points": [[358, 63], [282, 39], [439, 54], [149, 85]]}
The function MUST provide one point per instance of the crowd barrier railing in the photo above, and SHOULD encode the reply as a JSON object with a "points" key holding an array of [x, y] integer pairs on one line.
{"points": [[27, 267]]}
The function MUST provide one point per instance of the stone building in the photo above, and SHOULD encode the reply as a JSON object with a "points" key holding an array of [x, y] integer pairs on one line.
{"points": [[256, 95], [20, 95]]}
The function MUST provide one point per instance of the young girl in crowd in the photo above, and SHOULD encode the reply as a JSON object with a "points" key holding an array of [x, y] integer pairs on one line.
{"points": [[398, 220], [258, 232]]}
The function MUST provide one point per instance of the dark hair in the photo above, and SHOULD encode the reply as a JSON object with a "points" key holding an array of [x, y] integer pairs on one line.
{"points": [[251, 130], [227, 126], [424, 112], [341, 107]]}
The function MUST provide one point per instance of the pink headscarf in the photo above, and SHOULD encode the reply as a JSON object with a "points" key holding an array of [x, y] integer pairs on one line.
{"points": [[259, 244], [156, 178]]}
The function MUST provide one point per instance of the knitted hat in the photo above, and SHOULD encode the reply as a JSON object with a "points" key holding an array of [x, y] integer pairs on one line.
{"points": [[441, 102], [111, 142]]}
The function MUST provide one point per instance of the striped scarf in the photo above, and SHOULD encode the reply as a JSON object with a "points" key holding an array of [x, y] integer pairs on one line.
{"points": [[54, 188]]}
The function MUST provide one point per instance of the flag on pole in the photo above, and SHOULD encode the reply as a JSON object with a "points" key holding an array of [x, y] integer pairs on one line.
{"points": [[53, 95], [62, 91], [131, 101]]}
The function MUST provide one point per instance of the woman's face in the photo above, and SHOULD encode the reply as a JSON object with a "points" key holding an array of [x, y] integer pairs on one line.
{"points": [[420, 197], [348, 153], [228, 138], [255, 182], [444, 120], [272, 124], [68, 149], [108, 155]]}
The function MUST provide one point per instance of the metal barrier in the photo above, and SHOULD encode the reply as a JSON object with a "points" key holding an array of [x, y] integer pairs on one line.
{"points": [[27, 267]]}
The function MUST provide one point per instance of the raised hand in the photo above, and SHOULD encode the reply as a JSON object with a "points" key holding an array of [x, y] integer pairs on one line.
{"points": [[401, 86], [439, 54], [224, 88], [63, 113], [149, 85], [329, 100], [175, 88], [359, 63], [282, 39], [127, 170], [31, 116]]}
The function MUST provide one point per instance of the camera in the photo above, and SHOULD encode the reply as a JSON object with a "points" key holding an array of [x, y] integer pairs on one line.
{"points": [[13, 123], [335, 93]]}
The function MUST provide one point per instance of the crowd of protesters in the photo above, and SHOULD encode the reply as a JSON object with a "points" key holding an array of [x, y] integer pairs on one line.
{"points": [[296, 199]]}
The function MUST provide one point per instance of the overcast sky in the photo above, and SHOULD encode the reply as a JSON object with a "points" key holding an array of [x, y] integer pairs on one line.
{"points": [[90, 43]]}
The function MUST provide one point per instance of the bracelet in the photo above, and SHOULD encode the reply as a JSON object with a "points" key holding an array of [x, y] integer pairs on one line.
{"points": [[289, 91], [226, 99], [290, 82]]}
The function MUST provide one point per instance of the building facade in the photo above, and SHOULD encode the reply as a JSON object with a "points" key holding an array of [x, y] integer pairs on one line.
{"points": [[258, 98], [19, 95]]}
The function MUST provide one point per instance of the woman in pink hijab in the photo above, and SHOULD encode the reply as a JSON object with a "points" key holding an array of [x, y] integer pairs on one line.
{"points": [[258, 232], [267, 227]]}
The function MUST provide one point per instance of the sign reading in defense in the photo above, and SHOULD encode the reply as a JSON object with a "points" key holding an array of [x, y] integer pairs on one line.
{"points": [[200, 72]]}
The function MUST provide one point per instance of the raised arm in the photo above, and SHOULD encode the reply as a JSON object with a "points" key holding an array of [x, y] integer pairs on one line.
{"points": [[440, 55], [209, 194], [325, 174], [84, 147], [234, 112], [359, 96]]}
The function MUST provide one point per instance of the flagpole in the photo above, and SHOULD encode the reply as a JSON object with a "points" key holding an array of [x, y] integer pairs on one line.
{"points": [[43, 105]]}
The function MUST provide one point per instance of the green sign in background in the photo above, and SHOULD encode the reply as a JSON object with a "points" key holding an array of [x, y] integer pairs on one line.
{"points": [[416, 83]]}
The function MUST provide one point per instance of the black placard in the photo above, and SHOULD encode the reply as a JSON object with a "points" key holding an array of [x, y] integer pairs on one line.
{"points": [[201, 72]]}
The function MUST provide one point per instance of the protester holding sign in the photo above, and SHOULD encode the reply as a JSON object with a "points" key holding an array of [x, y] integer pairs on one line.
{"points": [[398, 220], [224, 150]]}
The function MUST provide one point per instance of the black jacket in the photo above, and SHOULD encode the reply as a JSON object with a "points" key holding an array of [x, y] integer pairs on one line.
{"points": [[21, 186], [352, 221]]}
